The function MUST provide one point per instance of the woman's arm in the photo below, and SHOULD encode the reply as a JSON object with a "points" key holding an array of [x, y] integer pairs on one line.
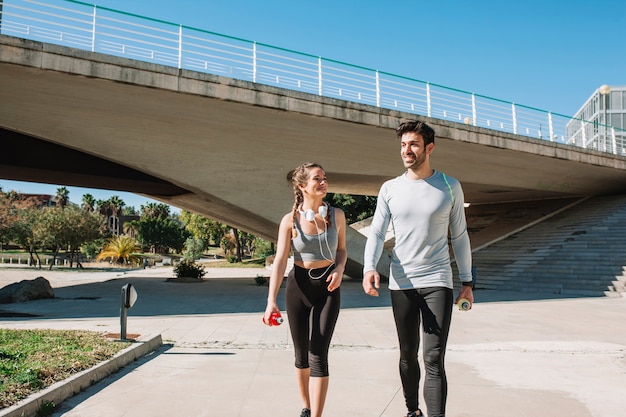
{"points": [[341, 256], [283, 247]]}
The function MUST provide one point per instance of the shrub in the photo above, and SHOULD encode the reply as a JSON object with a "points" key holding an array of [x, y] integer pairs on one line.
{"points": [[263, 248], [189, 269], [260, 280], [193, 249], [121, 250]]}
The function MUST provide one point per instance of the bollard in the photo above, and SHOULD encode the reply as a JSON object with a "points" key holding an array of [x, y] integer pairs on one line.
{"points": [[129, 296]]}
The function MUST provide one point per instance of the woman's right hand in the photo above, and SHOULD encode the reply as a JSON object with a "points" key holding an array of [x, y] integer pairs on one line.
{"points": [[269, 310]]}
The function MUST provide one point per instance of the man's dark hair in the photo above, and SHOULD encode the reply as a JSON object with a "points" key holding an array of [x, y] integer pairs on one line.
{"points": [[422, 128]]}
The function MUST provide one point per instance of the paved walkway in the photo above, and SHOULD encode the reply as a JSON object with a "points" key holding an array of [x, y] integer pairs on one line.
{"points": [[512, 355]]}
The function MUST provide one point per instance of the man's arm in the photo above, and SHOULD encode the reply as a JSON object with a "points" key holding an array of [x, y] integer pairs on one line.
{"points": [[461, 245], [374, 245]]}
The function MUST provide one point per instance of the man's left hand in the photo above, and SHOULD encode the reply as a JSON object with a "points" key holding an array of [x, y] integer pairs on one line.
{"points": [[467, 293]]}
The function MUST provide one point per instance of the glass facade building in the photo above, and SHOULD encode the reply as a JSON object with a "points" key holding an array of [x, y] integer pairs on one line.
{"points": [[601, 122]]}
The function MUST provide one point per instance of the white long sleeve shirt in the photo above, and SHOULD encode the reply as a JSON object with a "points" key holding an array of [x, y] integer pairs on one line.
{"points": [[422, 212]]}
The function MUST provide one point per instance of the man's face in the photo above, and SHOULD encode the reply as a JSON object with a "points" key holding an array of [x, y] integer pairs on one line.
{"points": [[412, 150]]}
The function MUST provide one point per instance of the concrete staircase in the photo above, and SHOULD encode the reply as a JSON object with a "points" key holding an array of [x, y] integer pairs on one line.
{"points": [[580, 252]]}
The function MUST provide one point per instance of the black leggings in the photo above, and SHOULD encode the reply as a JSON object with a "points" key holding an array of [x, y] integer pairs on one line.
{"points": [[312, 312], [433, 307]]}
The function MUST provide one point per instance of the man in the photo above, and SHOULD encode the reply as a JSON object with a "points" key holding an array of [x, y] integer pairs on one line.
{"points": [[423, 205]]}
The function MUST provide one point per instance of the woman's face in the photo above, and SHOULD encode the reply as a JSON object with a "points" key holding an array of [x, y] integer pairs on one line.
{"points": [[316, 185]]}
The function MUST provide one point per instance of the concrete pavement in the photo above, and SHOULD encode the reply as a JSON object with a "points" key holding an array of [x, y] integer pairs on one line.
{"points": [[512, 355]]}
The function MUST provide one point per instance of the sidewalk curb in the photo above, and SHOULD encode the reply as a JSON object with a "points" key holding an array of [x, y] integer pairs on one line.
{"points": [[62, 390]]}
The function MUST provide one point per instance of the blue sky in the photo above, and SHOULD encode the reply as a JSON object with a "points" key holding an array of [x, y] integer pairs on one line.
{"points": [[550, 55]]}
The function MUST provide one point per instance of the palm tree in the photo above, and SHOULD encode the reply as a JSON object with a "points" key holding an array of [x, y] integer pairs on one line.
{"points": [[131, 228], [155, 211], [111, 209], [63, 196], [89, 202], [121, 250]]}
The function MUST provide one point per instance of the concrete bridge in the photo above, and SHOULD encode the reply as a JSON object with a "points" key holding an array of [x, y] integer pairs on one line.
{"points": [[223, 148]]}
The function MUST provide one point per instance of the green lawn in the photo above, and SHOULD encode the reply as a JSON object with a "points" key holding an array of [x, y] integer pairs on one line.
{"points": [[31, 360]]}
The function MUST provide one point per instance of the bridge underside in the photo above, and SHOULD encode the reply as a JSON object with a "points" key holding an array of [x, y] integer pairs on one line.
{"points": [[223, 148]]}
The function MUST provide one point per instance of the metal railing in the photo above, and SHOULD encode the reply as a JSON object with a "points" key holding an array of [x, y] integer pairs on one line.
{"points": [[100, 29]]}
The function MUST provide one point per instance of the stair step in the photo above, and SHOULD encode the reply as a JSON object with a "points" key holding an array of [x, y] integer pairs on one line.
{"points": [[579, 251]]}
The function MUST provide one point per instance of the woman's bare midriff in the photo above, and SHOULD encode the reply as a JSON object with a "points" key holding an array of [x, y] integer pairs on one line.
{"points": [[314, 264]]}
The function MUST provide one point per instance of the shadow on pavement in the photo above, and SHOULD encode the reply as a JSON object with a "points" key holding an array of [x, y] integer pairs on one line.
{"points": [[159, 297]]}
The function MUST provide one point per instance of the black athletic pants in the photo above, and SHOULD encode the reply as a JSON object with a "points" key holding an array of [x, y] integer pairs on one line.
{"points": [[313, 313], [433, 308]]}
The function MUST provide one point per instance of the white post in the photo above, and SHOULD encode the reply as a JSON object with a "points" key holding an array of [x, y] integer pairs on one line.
{"points": [[319, 75], [254, 62], [584, 134], [93, 29], [377, 89], [550, 127], [180, 46], [428, 99], [514, 118], [613, 140], [473, 109], [605, 91]]}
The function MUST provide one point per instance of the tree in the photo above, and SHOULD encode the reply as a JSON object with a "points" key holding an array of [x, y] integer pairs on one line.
{"points": [[247, 242], [19, 221], [131, 228], [83, 227], [50, 229], [63, 196], [356, 207], [121, 250], [89, 202], [230, 243], [112, 210], [162, 234], [238, 246], [203, 228], [9, 208], [57, 228], [193, 249], [155, 211], [230, 239], [66, 230]]}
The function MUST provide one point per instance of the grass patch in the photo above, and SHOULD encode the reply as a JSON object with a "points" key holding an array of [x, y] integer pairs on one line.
{"points": [[31, 360], [247, 263]]}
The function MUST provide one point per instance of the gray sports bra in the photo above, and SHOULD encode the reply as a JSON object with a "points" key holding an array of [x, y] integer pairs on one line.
{"points": [[323, 246]]}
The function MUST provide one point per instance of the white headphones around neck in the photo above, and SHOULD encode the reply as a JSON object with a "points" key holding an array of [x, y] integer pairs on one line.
{"points": [[310, 214]]}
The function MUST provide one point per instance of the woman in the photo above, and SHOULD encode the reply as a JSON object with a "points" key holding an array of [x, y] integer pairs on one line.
{"points": [[316, 234]]}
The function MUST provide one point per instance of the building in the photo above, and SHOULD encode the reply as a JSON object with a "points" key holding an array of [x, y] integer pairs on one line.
{"points": [[601, 122], [41, 200]]}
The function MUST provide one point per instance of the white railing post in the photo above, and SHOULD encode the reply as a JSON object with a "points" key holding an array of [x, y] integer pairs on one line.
{"points": [[514, 118], [473, 110], [377, 89], [254, 62], [180, 46], [550, 127], [428, 107], [584, 135], [93, 29], [613, 140], [319, 75]]}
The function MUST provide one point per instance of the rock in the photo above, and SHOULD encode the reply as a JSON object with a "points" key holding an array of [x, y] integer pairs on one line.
{"points": [[26, 290]]}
